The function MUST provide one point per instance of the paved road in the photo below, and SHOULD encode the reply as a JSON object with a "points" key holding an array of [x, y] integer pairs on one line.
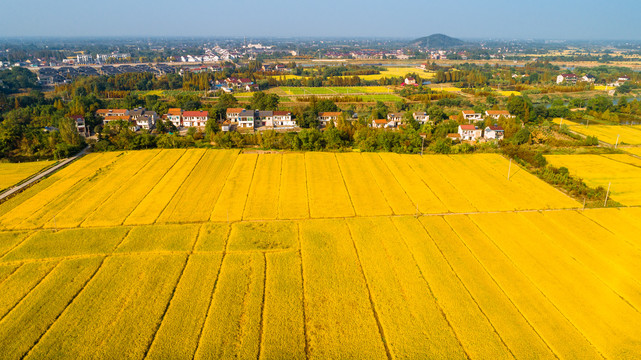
{"points": [[41, 175]]}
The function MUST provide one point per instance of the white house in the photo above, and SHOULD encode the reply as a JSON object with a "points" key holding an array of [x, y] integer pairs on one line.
{"points": [[394, 119], [469, 132], [175, 116], [246, 119], [410, 81], [494, 132], [195, 118], [325, 117], [588, 78], [233, 114], [379, 123], [566, 78], [471, 115], [283, 118], [496, 114], [421, 117], [264, 118]]}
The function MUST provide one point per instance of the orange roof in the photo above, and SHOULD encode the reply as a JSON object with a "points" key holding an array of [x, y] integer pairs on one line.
{"points": [[107, 111], [498, 112], [468, 112], [174, 111], [195, 113], [468, 127], [453, 135], [110, 117], [234, 110], [329, 113], [380, 121]]}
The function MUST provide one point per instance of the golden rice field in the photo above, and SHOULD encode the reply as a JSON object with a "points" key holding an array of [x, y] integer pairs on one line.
{"points": [[627, 134], [621, 170], [13, 173], [399, 71], [214, 254]]}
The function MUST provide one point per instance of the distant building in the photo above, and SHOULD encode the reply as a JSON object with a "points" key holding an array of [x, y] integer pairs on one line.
{"points": [[195, 118], [284, 119], [496, 114], [410, 81], [421, 117], [175, 116], [471, 115], [325, 117], [494, 132], [588, 78], [80, 125], [566, 78], [246, 119], [469, 132], [379, 123], [233, 114]]}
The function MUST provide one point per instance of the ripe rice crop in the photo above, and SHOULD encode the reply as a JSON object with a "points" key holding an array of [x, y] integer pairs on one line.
{"points": [[367, 200], [328, 196], [195, 198], [233, 324], [263, 236], [340, 320], [264, 191], [148, 210], [12, 173], [233, 197], [293, 182], [160, 238], [70, 242], [128, 295], [212, 237], [122, 202], [178, 334], [30, 319], [415, 317], [597, 170]]}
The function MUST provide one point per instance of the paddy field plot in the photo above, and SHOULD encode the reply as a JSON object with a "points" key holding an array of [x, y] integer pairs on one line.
{"points": [[13, 173], [621, 170], [626, 134], [219, 254], [184, 186]]}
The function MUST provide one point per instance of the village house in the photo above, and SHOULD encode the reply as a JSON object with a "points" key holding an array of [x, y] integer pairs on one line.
{"points": [[496, 114], [195, 118], [111, 118], [284, 119], [114, 112], [494, 132], [410, 81], [175, 116], [379, 123], [264, 118], [421, 117], [469, 132], [80, 125], [143, 118], [233, 114], [456, 137], [471, 115], [588, 78], [567, 78], [325, 117], [394, 119], [225, 126], [246, 119]]}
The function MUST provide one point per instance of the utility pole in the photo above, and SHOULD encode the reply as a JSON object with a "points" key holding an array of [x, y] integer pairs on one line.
{"points": [[605, 203], [617, 143], [509, 169]]}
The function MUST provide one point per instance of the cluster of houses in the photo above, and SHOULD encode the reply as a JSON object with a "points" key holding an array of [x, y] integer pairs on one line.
{"points": [[247, 119], [573, 79]]}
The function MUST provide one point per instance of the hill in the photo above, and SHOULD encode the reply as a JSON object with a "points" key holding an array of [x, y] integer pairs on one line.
{"points": [[438, 41]]}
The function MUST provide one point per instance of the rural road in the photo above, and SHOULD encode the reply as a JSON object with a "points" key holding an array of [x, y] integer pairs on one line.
{"points": [[41, 175]]}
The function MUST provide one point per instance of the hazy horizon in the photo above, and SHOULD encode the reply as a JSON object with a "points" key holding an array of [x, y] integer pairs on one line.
{"points": [[499, 19]]}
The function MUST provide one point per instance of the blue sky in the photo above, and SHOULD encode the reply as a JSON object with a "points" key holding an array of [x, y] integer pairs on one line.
{"points": [[542, 19]]}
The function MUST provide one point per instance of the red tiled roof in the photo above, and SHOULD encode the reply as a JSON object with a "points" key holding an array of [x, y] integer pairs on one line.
{"points": [[174, 111], [234, 110], [195, 113], [329, 113], [498, 112], [468, 112], [380, 121], [495, 128], [467, 127]]}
